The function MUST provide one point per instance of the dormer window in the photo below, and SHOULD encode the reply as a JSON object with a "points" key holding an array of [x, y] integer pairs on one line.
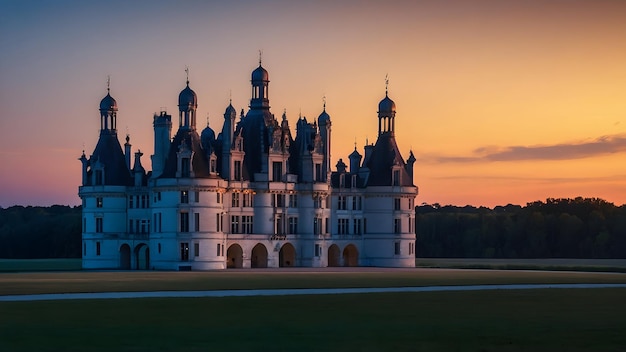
{"points": [[396, 177]]}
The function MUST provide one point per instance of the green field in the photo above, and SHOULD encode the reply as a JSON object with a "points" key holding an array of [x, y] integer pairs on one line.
{"points": [[529, 320], [496, 320]]}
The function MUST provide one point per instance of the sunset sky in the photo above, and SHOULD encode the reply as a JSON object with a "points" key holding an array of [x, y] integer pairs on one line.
{"points": [[501, 101]]}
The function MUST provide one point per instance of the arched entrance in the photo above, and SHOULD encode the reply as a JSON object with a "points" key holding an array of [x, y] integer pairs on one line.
{"points": [[350, 256], [259, 256], [287, 255], [125, 257], [234, 255], [333, 255], [142, 257]]}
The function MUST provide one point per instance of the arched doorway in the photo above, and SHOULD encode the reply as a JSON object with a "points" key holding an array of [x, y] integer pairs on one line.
{"points": [[125, 257], [259, 256], [287, 255], [234, 255], [333, 255], [142, 257], [350, 256]]}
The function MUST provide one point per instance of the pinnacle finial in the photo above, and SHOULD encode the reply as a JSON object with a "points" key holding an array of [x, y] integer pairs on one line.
{"points": [[386, 83], [108, 84], [207, 119], [324, 100], [230, 97], [260, 56], [187, 72]]}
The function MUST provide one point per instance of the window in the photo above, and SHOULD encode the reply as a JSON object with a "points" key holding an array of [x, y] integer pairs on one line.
{"points": [[397, 225], [246, 223], [219, 197], [364, 225], [184, 197], [184, 251], [318, 250], [356, 203], [196, 249], [293, 225], [131, 224], [144, 201], [317, 226], [341, 203], [218, 222], [318, 202], [98, 202], [396, 248], [411, 203], [185, 167], [410, 225], [318, 172], [196, 196], [99, 225], [235, 199], [145, 226], [237, 170], [218, 249], [278, 200], [213, 166], [396, 177], [278, 225], [98, 248], [342, 226], [131, 202], [277, 171], [247, 199], [184, 222], [396, 204], [196, 218], [234, 224], [293, 201], [356, 226], [326, 225], [411, 248], [159, 248]]}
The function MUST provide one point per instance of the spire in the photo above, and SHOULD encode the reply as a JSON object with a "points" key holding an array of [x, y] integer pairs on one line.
{"points": [[386, 84]]}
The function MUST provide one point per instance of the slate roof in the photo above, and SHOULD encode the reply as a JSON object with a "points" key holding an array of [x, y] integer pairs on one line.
{"points": [[199, 163], [109, 152]]}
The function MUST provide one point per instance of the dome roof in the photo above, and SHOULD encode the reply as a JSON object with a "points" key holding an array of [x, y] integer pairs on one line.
{"points": [[386, 105], [230, 110], [324, 118], [260, 74], [108, 103], [207, 136], [187, 98]]}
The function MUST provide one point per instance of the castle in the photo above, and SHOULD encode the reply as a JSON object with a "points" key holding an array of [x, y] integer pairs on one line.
{"points": [[251, 196]]}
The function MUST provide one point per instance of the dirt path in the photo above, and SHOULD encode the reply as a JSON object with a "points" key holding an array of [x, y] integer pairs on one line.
{"points": [[285, 292]]}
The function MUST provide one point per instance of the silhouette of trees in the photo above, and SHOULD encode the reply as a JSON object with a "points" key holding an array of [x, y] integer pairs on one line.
{"points": [[556, 228], [40, 232]]}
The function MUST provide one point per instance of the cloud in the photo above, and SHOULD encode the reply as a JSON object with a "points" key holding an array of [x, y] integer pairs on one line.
{"points": [[564, 151]]}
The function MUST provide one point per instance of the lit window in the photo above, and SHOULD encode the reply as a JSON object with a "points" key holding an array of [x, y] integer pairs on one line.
{"points": [[98, 202], [184, 197]]}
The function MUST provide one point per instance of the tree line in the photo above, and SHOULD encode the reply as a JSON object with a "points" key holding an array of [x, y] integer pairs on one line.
{"points": [[556, 228], [40, 232]]}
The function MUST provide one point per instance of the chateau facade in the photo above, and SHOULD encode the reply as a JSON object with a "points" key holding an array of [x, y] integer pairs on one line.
{"points": [[251, 196]]}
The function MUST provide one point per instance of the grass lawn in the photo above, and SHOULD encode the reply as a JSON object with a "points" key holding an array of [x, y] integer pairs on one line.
{"points": [[527, 320]]}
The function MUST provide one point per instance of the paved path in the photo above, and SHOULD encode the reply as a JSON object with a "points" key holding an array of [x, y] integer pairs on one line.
{"points": [[285, 292]]}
